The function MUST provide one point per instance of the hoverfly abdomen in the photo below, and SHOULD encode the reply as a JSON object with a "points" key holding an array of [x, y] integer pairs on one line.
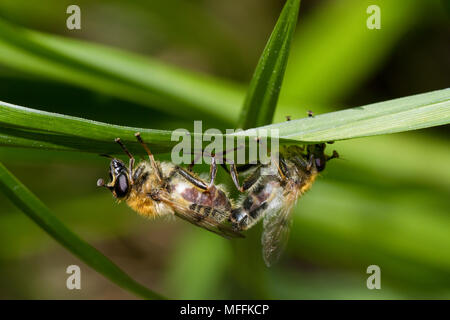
{"points": [[257, 212], [205, 211], [214, 197], [254, 205]]}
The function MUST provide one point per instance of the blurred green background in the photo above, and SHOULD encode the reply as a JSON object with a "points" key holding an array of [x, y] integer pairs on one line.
{"points": [[385, 203]]}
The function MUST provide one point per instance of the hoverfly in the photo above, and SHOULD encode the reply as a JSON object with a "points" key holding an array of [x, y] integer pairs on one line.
{"points": [[154, 189], [272, 191]]}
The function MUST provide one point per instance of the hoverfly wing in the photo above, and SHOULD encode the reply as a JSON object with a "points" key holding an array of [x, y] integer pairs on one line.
{"points": [[207, 223], [277, 224]]}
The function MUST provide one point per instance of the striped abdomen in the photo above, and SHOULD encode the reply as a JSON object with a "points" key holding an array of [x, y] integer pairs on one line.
{"points": [[256, 203], [213, 203]]}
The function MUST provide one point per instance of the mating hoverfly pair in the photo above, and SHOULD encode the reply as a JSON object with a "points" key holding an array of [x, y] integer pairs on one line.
{"points": [[155, 189]]}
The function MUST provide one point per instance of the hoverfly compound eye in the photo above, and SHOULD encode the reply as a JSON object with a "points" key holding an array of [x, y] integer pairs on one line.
{"points": [[121, 186], [320, 163]]}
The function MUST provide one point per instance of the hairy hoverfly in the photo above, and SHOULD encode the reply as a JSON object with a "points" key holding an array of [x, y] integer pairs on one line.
{"points": [[271, 192], [155, 189]]}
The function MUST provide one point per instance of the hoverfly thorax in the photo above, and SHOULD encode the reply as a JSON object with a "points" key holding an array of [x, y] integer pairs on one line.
{"points": [[119, 183]]}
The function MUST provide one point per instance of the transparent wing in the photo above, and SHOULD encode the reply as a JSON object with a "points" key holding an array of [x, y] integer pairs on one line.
{"points": [[207, 223], [277, 224]]}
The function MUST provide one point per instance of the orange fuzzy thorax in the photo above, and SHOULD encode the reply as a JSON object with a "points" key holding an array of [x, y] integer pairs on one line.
{"points": [[140, 200], [145, 206]]}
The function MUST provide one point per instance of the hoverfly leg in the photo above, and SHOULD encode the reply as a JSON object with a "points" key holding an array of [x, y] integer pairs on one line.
{"points": [[192, 179], [235, 177], [150, 156], [131, 162], [281, 167], [300, 161], [284, 168], [310, 163], [248, 183], [212, 172]]}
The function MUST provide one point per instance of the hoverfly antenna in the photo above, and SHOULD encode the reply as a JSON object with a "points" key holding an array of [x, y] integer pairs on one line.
{"points": [[100, 182], [106, 156], [335, 155], [118, 141]]}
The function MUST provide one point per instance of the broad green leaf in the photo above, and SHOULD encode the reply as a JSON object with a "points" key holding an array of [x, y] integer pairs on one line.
{"points": [[117, 73], [262, 95], [156, 23], [334, 52], [403, 114], [41, 215]]}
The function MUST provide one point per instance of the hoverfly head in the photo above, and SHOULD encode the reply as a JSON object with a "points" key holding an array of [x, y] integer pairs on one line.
{"points": [[119, 183], [320, 158]]}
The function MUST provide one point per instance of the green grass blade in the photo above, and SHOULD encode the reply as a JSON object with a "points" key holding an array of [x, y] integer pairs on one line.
{"points": [[26, 127], [262, 95], [258, 110], [398, 115], [41, 215]]}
